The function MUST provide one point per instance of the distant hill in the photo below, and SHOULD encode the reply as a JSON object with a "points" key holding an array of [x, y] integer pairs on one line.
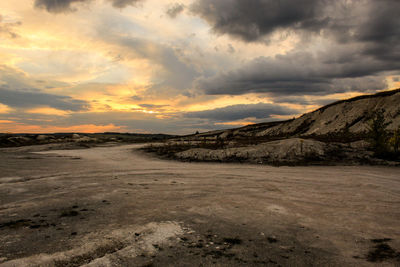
{"points": [[331, 121], [78, 139]]}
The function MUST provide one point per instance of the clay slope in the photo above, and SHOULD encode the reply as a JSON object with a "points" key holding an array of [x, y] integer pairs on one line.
{"points": [[351, 115]]}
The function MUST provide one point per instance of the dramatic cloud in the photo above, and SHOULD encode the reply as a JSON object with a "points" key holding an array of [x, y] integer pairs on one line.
{"points": [[60, 6], [129, 121], [372, 24], [26, 99], [381, 31], [175, 9], [176, 74], [142, 70], [353, 45], [14, 79], [238, 112], [57, 6], [301, 73], [252, 19]]}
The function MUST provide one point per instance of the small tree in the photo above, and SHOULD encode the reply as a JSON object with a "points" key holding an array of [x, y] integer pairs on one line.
{"points": [[378, 134], [395, 141]]}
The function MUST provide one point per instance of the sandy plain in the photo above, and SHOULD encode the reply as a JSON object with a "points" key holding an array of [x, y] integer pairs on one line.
{"points": [[115, 206]]}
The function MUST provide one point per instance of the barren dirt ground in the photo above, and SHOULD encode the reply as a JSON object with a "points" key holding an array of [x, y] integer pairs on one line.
{"points": [[114, 206]]}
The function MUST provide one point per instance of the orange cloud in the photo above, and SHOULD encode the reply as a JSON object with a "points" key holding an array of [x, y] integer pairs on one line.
{"points": [[4, 108], [235, 123], [48, 111], [5, 121], [85, 128]]}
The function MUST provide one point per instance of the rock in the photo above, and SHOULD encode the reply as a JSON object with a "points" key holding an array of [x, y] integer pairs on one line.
{"points": [[75, 136], [360, 145], [42, 137], [225, 135]]}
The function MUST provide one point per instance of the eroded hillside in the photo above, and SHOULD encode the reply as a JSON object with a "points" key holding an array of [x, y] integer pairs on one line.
{"points": [[336, 133], [351, 115]]}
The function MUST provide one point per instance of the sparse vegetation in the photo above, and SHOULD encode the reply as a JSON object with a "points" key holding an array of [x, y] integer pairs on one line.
{"points": [[395, 141], [378, 134], [384, 144]]}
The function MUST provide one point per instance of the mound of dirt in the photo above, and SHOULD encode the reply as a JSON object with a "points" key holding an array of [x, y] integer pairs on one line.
{"points": [[294, 150]]}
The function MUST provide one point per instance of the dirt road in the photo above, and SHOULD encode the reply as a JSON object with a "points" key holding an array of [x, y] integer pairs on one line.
{"points": [[114, 206]]}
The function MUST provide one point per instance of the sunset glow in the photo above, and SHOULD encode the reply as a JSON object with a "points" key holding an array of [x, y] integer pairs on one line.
{"points": [[175, 67]]}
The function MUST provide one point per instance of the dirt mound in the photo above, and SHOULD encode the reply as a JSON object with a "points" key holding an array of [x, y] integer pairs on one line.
{"points": [[288, 151]]}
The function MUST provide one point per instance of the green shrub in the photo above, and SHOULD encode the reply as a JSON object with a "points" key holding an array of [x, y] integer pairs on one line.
{"points": [[395, 141], [378, 134]]}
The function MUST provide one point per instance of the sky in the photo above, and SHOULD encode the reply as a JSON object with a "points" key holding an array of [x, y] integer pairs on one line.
{"points": [[177, 67]]}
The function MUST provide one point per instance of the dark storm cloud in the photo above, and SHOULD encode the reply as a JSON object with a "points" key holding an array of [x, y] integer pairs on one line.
{"points": [[238, 112], [361, 45], [300, 73], [381, 31], [62, 6], [374, 24], [382, 23], [175, 9], [57, 6], [27, 99], [252, 19], [367, 20]]}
